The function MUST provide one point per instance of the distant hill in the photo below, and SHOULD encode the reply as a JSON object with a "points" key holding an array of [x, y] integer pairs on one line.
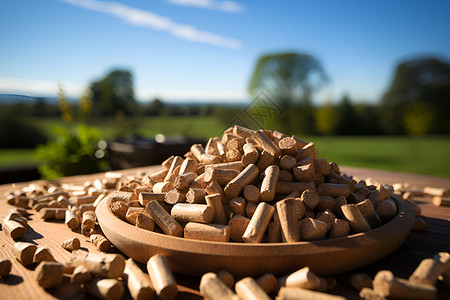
{"points": [[16, 98]]}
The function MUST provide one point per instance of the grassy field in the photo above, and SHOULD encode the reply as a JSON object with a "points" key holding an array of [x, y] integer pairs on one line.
{"points": [[203, 127], [17, 157], [427, 155]]}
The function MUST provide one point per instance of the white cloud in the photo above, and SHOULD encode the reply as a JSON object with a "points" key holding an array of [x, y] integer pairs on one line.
{"points": [[139, 17], [226, 6], [38, 88]]}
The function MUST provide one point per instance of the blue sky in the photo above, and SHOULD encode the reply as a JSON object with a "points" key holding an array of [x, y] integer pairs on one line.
{"points": [[205, 49]]}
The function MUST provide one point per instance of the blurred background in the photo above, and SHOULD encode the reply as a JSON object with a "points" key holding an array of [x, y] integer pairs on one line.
{"points": [[93, 85]]}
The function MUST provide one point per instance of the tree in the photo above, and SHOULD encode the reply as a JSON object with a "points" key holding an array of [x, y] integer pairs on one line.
{"points": [[326, 118], [290, 79], [421, 80], [347, 121], [154, 108], [114, 94]]}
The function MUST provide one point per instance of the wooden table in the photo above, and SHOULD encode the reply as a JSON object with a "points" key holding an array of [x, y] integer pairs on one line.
{"points": [[20, 284]]}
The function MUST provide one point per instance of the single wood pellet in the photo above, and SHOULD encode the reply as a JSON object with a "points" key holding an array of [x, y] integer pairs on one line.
{"points": [[43, 254], [290, 293], [101, 264], [108, 289], [71, 245], [268, 282], [207, 232], [386, 285], [80, 275], [248, 289], [303, 278], [5, 267], [258, 223], [213, 288], [162, 278], [100, 242], [14, 229], [227, 278], [24, 252], [49, 274]]}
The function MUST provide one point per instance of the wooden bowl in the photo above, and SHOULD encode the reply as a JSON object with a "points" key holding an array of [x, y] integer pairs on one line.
{"points": [[195, 257]]}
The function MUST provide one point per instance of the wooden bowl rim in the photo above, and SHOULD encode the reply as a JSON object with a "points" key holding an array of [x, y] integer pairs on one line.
{"points": [[398, 225]]}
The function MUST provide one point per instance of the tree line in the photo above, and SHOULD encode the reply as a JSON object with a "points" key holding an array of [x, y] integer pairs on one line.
{"points": [[416, 102]]}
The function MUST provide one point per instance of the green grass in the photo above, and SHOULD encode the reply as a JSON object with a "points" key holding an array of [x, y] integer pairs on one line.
{"points": [[17, 157], [426, 155], [203, 127]]}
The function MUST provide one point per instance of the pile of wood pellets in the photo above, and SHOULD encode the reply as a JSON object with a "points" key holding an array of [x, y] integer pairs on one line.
{"points": [[248, 186], [253, 186]]}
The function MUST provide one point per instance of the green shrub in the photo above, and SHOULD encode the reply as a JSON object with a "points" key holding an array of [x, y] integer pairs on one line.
{"points": [[75, 151]]}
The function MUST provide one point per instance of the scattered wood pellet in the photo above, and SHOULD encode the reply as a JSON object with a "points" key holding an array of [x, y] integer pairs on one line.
{"points": [[5, 266], [24, 252], [227, 278], [80, 275], [434, 191], [162, 278], [303, 278], [427, 272], [369, 294], [248, 289], [14, 229], [71, 218], [387, 285], [212, 288], [42, 254], [268, 282], [71, 245], [290, 293], [100, 242], [139, 283], [108, 289], [49, 274], [100, 264], [441, 201], [88, 223], [48, 213], [444, 259]]}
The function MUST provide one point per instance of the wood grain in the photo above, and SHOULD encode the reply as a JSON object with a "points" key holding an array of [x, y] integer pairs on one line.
{"points": [[21, 284]]}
